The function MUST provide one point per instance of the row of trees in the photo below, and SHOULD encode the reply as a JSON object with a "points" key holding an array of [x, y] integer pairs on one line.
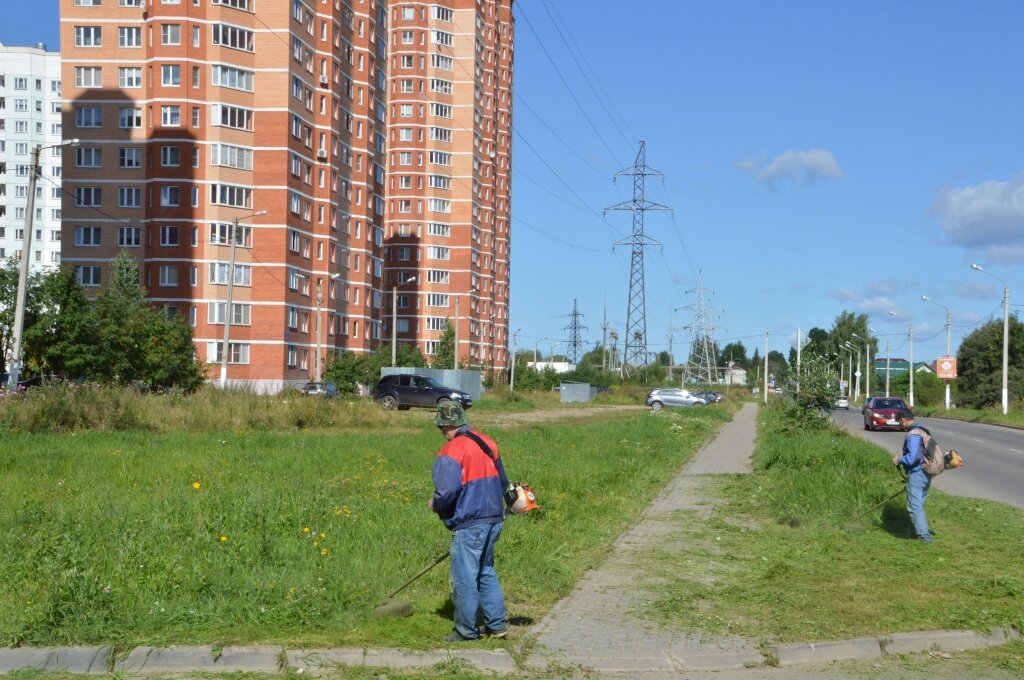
{"points": [[116, 338]]}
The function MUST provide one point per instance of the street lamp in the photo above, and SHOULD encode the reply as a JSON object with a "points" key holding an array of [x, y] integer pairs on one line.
{"points": [[512, 379], [910, 335], [949, 321], [1006, 335], [231, 289], [26, 251], [851, 349], [856, 396], [319, 332], [394, 319], [535, 343]]}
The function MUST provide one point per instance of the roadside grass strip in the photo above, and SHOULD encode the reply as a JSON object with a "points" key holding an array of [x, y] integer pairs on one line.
{"points": [[246, 534], [775, 562]]}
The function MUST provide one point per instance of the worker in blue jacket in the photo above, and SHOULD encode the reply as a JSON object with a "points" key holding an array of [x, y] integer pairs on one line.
{"points": [[918, 482], [469, 483]]}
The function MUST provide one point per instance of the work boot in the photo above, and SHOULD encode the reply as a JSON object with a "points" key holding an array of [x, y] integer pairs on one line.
{"points": [[455, 637], [499, 634]]}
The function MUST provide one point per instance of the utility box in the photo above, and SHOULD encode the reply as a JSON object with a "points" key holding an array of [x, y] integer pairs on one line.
{"points": [[576, 392]]}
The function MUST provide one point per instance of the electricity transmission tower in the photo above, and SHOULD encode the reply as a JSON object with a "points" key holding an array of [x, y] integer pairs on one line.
{"points": [[635, 352], [700, 366], [575, 339]]}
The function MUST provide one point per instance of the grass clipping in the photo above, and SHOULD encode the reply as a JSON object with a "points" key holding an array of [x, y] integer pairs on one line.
{"points": [[788, 571]]}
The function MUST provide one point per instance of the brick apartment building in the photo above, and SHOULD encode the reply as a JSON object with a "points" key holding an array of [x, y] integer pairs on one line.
{"points": [[449, 172], [200, 112], [195, 114]]}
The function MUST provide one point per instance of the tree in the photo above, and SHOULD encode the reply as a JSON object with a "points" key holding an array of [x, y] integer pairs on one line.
{"points": [[817, 344], [980, 364], [845, 326], [64, 333], [929, 389], [346, 371], [778, 367], [444, 353], [809, 408], [737, 353]]}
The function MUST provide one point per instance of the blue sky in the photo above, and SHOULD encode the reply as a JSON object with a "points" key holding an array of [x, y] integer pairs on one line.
{"points": [[819, 157]]}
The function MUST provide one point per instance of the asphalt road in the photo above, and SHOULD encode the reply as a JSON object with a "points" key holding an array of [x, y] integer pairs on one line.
{"points": [[993, 455]]}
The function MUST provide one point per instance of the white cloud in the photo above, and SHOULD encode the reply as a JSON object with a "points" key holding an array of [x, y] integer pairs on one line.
{"points": [[803, 167], [987, 217], [875, 306], [844, 295]]}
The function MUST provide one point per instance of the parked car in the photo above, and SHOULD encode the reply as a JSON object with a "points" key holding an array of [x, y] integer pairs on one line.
{"points": [[405, 391], [842, 402], [881, 414], [671, 396], [866, 405], [39, 381], [709, 396], [319, 389]]}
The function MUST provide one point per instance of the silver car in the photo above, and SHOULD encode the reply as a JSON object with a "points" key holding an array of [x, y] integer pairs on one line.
{"points": [[671, 396]]}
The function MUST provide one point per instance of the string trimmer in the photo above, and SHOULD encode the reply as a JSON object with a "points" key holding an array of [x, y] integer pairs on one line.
{"points": [[390, 606]]}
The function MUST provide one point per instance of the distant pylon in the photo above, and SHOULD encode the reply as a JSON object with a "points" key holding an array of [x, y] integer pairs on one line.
{"points": [[575, 338], [635, 352], [701, 365]]}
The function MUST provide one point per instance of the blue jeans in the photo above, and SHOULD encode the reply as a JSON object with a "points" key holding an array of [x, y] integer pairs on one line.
{"points": [[474, 581], [917, 492]]}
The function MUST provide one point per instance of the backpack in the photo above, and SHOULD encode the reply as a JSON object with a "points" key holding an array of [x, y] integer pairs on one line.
{"points": [[933, 459]]}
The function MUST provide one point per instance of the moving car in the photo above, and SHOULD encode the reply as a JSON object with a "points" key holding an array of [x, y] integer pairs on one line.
{"points": [[842, 402], [866, 405], [671, 396], [881, 414], [319, 389], [405, 391], [709, 396]]}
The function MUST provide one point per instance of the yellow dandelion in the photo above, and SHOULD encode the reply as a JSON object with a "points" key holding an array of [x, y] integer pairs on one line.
{"points": [[223, 538], [323, 535], [316, 543], [305, 530], [324, 552], [196, 485]]}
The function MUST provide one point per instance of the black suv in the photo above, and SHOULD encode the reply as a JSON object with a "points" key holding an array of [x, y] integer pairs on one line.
{"points": [[406, 391]]}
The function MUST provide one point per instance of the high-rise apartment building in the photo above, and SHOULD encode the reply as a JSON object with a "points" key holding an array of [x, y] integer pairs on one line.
{"points": [[30, 116], [198, 115], [448, 174]]}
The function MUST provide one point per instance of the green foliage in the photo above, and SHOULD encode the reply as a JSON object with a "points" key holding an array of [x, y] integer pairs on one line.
{"points": [[817, 343], [444, 353], [980, 364], [737, 353], [809, 409], [348, 370], [63, 334], [929, 389]]}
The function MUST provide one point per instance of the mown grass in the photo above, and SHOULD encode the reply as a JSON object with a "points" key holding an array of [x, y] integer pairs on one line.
{"points": [[775, 560], [232, 531], [994, 416]]}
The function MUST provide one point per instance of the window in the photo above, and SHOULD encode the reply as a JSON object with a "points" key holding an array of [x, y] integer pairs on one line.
{"points": [[170, 75], [231, 116], [88, 197], [170, 196], [437, 300], [440, 134], [405, 134], [170, 156], [88, 36], [237, 4], [219, 274], [238, 352], [405, 110], [231, 156], [88, 157], [232, 36], [234, 78], [241, 313], [440, 158], [439, 182], [437, 276], [405, 158], [88, 76], [129, 197], [129, 36], [440, 110], [441, 86], [170, 34], [129, 77], [129, 157], [169, 236], [170, 116], [129, 117], [436, 323], [129, 237], [438, 229], [438, 253], [87, 236], [88, 117], [168, 275], [442, 62], [442, 38], [88, 276], [228, 194], [219, 234]]}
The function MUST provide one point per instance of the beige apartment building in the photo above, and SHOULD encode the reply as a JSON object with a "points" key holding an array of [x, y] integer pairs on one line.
{"points": [[198, 115], [448, 176]]}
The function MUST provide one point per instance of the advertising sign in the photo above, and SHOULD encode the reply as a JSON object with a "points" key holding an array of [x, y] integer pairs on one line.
{"points": [[945, 367]]}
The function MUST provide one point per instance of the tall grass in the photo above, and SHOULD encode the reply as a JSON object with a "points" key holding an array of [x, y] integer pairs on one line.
{"points": [[175, 534]]}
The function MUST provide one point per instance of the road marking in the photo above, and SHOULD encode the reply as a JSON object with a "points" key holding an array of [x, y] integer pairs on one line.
{"points": [[1017, 451], [980, 441]]}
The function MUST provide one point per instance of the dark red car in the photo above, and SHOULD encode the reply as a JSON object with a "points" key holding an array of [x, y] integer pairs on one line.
{"points": [[881, 413]]}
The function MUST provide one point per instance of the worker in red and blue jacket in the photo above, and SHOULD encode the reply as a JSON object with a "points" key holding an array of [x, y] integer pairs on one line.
{"points": [[469, 483]]}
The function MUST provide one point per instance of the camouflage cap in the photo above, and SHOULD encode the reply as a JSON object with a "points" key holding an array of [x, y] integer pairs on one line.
{"points": [[450, 414]]}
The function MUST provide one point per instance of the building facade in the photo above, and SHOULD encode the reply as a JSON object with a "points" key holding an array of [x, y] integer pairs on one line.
{"points": [[30, 116], [204, 121], [449, 175]]}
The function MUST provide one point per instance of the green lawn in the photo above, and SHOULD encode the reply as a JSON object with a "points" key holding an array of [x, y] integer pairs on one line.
{"points": [[254, 533]]}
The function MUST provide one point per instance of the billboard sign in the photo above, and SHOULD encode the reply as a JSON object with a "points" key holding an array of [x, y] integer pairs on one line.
{"points": [[945, 367]]}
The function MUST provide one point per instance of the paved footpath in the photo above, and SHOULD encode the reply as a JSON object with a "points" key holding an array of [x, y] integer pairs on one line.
{"points": [[594, 628]]}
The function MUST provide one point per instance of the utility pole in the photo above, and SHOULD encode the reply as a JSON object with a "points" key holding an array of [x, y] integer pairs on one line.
{"points": [[635, 353], [575, 339], [604, 342], [233, 238]]}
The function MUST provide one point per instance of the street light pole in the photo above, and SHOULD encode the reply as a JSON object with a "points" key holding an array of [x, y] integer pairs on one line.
{"points": [[512, 379], [394, 319], [949, 321], [856, 394], [1006, 336], [26, 251], [231, 289]]}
